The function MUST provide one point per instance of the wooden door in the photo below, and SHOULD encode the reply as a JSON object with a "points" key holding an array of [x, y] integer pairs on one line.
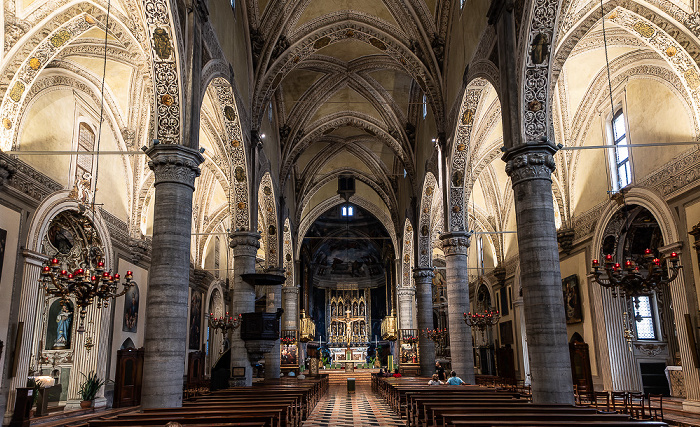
{"points": [[127, 386], [580, 365]]}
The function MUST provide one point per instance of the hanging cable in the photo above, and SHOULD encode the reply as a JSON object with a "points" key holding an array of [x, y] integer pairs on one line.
{"points": [[102, 107], [607, 60]]}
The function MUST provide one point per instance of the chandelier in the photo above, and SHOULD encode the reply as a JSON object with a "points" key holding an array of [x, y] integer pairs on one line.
{"points": [[225, 323], [435, 335], [481, 321], [85, 285], [632, 279]]}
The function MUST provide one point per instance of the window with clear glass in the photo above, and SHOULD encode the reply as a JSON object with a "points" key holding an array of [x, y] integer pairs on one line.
{"points": [[461, 4], [347, 210], [425, 106], [480, 252], [622, 170], [644, 318]]}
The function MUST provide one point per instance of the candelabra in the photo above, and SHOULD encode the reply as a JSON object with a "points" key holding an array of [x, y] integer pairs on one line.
{"points": [[481, 321], [225, 323], [85, 285], [436, 335], [634, 280]]}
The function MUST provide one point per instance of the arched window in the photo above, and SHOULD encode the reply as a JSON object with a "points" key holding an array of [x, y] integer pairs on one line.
{"points": [[425, 106], [620, 170], [86, 143]]}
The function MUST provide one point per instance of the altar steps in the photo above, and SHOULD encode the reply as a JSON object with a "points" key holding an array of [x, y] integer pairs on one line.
{"points": [[362, 376]]}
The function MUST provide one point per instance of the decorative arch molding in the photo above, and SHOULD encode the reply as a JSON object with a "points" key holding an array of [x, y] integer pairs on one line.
{"points": [[167, 51], [407, 260], [459, 159], [674, 21], [30, 69], [425, 230], [327, 86], [311, 188], [52, 206], [216, 286], [236, 152], [288, 253], [266, 194], [335, 146], [336, 200], [319, 34], [650, 200], [344, 118], [24, 35]]}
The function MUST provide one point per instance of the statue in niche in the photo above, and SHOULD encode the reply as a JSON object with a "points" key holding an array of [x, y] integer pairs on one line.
{"points": [[333, 309], [63, 321], [362, 309], [354, 309]]}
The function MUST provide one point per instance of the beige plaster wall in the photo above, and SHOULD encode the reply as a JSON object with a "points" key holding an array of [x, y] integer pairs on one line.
{"points": [[118, 335], [231, 33], [10, 222], [576, 264]]}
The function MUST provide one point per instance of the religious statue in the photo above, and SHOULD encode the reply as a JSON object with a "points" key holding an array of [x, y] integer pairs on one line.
{"points": [[63, 321]]}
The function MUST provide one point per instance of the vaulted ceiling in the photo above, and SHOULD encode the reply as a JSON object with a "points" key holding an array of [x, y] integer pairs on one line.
{"points": [[348, 79]]}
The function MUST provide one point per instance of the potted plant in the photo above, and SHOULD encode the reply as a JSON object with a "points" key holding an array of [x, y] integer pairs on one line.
{"points": [[89, 388]]}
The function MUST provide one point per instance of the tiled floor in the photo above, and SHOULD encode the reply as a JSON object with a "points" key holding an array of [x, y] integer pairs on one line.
{"points": [[364, 408]]}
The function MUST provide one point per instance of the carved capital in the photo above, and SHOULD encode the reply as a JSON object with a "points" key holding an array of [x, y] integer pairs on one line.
{"points": [[290, 290], [406, 292], [245, 243], [565, 237], [174, 163], [455, 243], [7, 169], [139, 249], [530, 161], [423, 274]]}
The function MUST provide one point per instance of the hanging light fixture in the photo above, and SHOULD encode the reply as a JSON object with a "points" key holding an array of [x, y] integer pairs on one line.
{"points": [[224, 323], [482, 321], [84, 277], [85, 285], [632, 279]]}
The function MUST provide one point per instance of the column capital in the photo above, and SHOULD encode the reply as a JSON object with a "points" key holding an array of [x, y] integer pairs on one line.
{"points": [[455, 242], [423, 273], [406, 291], [35, 258], [174, 163], [530, 161], [245, 242], [290, 290]]}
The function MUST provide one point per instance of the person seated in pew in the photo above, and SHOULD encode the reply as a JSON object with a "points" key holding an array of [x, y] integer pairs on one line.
{"points": [[454, 379], [435, 380], [397, 374], [440, 371], [173, 424]]}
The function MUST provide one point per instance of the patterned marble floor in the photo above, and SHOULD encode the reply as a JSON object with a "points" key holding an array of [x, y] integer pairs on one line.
{"points": [[364, 408]]}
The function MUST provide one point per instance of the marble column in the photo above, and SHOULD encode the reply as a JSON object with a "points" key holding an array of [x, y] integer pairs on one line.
{"points": [[424, 299], [455, 245], [530, 167], [290, 303], [31, 294], [681, 310], [175, 168], [245, 246], [272, 359], [407, 302]]}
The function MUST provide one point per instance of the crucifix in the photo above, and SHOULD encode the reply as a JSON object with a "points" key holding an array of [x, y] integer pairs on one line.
{"points": [[348, 321]]}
